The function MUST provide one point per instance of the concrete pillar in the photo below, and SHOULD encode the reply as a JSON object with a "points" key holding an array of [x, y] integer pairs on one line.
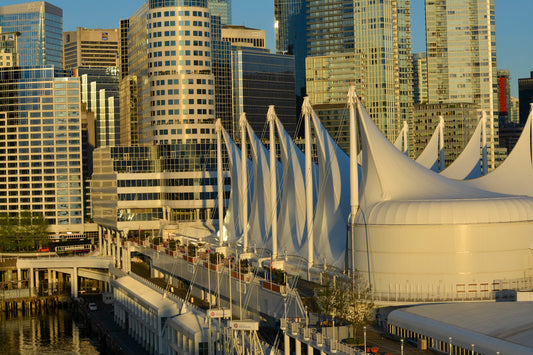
{"points": [[119, 247], [74, 283], [32, 282], [37, 281], [191, 347], [287, 344], [19, 277], [100, 251], [49, 282], [310, 349], [298, 346]]}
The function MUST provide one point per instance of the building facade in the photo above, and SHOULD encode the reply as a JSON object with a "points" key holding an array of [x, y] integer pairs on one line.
{"points": [[260, 79], [460, 122], [461, 58], [368, 44], [168, 100], [8, 49], [40, 146], [291, 36], [41, 28], [525, 97], [242, 36], [91, 48], [420, 78]]}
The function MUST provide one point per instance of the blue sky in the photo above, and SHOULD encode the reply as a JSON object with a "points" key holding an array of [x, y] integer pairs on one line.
{"points": [[513, 41]]}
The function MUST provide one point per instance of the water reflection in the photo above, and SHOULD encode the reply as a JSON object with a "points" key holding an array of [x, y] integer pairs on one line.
{"points": [[42, 333]]}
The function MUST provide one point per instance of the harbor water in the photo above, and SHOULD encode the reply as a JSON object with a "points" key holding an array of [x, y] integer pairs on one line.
{"points": [[45, 332]]}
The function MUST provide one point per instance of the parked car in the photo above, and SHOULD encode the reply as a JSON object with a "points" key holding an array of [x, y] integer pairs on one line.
{"points": [[92, 306]]}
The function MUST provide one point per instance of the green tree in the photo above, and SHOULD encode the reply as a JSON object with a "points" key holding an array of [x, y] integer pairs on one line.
{"points": [[8, 230], [347, 298]]}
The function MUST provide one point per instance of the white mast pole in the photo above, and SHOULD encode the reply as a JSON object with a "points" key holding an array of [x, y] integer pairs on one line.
{"points": [[354, 171], [218, 127], [484, 142], [271, 117], [491, 82], [405, 131], [306, 110], [244, 180], [441, 143]]}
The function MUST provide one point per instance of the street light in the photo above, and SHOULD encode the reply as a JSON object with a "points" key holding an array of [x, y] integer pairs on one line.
{"points": [[450, 339], [402, 346], [364, 328]]}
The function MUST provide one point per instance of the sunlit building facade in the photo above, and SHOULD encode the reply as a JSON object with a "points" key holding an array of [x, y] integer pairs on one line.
{"points": [[8, 49], [41, 28], [87, 47], [368, 44], [40, 146]]}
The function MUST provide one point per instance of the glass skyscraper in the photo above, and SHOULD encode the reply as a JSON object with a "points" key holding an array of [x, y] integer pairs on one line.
{"points": [[366, 43], [291, 36], [461, 57], [40, 146], [41, 28]]}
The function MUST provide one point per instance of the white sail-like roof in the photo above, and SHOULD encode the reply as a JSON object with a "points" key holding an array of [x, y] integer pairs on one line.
{"points": [[515, 174], [232, 222], [292, 224], [397, 190], [401, 141], [333, 200], [260, 218], [468, 164], [429, 157]]}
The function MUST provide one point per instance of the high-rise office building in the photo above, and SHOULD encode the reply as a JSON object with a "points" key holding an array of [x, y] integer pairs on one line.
{"points": [[91, 48], [222, 9], [461, 59], [40, 146], [291, 36], [366, 43], [41, 28], [525, 96], [260, 79], [242, 36], [420, 78], [8, 49], [100, 94], [460, 119], [170, 177]]}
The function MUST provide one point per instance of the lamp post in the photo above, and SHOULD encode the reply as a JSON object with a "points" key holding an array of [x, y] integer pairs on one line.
{"points": [[450, 339], [402, 346], [472, 349], [364, 328]]}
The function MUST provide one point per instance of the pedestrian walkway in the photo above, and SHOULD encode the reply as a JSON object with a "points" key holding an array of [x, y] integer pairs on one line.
{"points": [[104, 319], [376, 337]]}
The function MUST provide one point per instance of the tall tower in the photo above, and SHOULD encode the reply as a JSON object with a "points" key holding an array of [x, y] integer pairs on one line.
{"points": [[291, 36], [41, 28], [87, 47], [461, 57], [40, 146], [366, 43], [170, 54]]}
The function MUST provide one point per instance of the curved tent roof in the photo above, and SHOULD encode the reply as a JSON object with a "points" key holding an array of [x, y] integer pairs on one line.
{"points": [[515, 174], [233, 223], [292, 217], [333, 200], [397, 190]]}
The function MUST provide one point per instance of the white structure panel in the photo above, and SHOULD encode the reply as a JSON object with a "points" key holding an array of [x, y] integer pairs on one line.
{"points": [[436, 256]]}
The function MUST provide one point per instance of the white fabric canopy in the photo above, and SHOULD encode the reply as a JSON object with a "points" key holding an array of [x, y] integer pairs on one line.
{"points": [[515, 174], [333, 200], [292, 224]]}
